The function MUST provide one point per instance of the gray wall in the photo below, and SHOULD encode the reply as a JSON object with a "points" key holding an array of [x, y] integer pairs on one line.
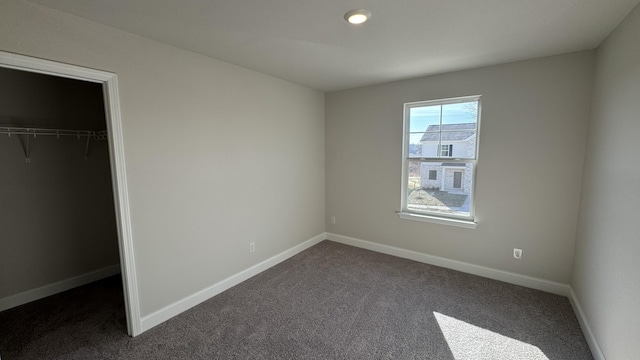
{"points": [[56, 214], [532, 140], [607, 271], [217, 156]]}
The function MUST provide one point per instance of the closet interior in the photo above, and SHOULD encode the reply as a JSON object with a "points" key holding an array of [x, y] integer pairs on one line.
{"points": [[57, 217]]}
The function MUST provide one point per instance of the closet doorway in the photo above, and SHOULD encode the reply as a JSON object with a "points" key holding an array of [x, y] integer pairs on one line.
{"points": [[65, 203]]}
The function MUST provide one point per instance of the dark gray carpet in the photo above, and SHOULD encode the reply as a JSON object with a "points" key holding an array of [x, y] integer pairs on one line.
{"points": [[329, 302]]}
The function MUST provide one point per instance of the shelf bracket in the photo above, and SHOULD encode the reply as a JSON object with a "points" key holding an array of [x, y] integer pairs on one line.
{"points": [[27, 151], [86, 150]]}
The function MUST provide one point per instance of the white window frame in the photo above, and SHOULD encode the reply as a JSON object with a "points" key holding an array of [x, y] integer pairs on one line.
{"points": [[430, 216], [444, 148]]}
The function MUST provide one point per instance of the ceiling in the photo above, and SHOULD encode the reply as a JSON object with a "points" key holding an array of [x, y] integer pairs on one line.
{"points": [[308, 41]]}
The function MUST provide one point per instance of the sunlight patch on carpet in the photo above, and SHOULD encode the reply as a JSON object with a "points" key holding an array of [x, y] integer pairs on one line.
{"points": [[467, 341]]}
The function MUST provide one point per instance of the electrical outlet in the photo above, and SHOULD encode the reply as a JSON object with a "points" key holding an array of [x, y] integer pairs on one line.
{"points": [[252, 247], [517, 253], [333, 220]]}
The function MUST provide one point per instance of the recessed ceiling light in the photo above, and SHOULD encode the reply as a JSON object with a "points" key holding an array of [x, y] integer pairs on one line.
{"points": [[357, 16]]}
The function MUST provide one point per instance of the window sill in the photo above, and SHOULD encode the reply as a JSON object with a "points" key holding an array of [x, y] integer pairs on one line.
{"points": [[439, 220]]}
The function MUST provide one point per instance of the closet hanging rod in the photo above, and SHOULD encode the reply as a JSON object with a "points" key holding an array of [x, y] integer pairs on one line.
{"points": [[45, 132]]}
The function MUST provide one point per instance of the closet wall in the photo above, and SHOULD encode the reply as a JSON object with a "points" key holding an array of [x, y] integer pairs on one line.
{"points": [[56, 212]]}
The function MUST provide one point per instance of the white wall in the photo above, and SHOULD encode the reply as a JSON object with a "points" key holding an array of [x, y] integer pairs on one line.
{"points": [[461, 149], [217, 155], [532, 140], [606, 273]]}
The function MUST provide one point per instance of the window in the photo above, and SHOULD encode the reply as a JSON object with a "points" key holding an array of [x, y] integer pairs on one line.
{"points": [[446, 150], [431, 129]]}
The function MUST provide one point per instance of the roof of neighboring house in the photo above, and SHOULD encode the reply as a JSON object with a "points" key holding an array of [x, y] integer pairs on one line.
{"points": [[450, 132]]}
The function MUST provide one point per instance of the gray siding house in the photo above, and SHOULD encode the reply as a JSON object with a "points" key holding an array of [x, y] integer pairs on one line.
{"points": [[454, 141]]}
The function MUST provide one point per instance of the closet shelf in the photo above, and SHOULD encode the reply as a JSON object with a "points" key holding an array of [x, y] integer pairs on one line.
{"points": [[35, 132], [11, 130]]}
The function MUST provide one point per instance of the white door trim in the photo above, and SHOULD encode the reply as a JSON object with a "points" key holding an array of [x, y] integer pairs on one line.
{"points": [[109, 83]]}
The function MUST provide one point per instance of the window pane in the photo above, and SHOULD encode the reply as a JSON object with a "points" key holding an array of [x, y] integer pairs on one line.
{"points": [[459, 128], [415, 145], [420, 118], [460, 113], [424, 127], [440, 188]]}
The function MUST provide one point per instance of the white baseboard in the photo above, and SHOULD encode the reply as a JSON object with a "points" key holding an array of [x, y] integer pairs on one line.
{"points": [[584, 324], [188, 302], [508, 277], [57, 287]]}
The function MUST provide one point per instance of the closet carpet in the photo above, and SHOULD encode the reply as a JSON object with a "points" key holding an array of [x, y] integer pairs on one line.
{"points": [[331, 301]]}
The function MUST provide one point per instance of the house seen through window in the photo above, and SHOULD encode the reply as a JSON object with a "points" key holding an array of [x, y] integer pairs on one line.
{"points": [[439, 157]]}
